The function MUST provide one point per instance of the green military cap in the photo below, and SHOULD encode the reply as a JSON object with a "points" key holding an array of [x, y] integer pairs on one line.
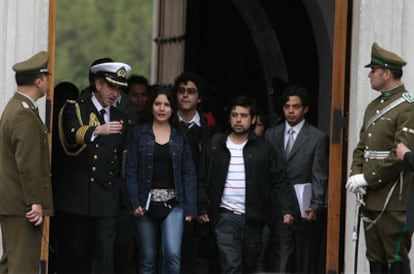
{"points": [[35, 64], [384, 58]]}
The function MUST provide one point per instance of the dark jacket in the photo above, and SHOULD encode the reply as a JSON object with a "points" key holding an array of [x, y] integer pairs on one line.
{"points": [[139, 167], [91, 180], [265, 178]]}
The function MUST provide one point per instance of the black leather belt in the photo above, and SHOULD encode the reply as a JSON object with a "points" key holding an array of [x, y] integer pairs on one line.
{"points": [[225, 210]]}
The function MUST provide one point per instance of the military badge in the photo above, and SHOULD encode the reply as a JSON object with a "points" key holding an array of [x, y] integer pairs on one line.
{"points": [[408, 97], [121, 72]]}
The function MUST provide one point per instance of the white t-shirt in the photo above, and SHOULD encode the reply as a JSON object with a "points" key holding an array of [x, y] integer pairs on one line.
{"points": [[234, 194]]}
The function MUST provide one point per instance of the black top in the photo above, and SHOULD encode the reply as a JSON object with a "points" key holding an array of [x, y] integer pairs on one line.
{"points": [[162, 176]]}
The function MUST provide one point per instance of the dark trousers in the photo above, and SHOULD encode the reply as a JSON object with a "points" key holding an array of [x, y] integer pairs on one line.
{"points": [[301, 249], [86, 243], [199, 249], [239, 244], [125, 249]]}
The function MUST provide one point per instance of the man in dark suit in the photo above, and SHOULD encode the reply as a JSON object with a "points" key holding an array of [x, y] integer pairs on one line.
{"points": [[25, 186], [93, 133], [305, 150]]}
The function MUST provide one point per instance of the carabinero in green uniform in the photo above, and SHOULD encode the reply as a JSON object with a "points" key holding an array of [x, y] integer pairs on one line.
{"points": [[376, 173]]}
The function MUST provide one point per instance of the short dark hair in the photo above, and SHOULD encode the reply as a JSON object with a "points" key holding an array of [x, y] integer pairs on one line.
{"points": [[244, 101], [137, 79], [184, 77], [295, 90], [27, 79]]}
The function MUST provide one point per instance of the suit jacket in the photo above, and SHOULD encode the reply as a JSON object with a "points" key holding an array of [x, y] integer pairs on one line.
{"points": [[24, 159], [308, 162], [91, 182]]}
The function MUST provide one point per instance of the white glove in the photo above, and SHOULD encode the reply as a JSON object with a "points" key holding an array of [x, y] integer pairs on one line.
{"points": [[356, 183]]}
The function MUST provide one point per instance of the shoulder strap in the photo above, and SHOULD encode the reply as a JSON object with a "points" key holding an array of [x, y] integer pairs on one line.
{"points": [[383, 111]]}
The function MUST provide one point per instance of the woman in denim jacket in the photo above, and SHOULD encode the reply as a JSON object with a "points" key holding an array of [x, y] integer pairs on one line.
{"points": [[161, 184]]}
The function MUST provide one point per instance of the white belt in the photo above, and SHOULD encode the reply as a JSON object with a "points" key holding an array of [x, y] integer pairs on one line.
{"points": [[376, 154]]}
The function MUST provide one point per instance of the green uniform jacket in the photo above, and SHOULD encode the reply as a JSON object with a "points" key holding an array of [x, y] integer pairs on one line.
{"points": [[383, 135], [24, 159]]}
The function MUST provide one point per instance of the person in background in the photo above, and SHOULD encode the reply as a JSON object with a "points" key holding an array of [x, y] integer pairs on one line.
{"points": [[25, 185], [138, 96], [306, 158], [240, 174], [376, 172], [63, 91], [93, 133], [262, 123], [161, 183], [189, 90]]}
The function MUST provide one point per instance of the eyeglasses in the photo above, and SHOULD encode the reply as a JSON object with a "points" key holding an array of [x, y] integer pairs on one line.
{"points": [[189, 90]]}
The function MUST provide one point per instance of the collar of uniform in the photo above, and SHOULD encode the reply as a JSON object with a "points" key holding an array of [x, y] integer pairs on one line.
{"points": [[33, 102], [98, 105], [387, 93]]}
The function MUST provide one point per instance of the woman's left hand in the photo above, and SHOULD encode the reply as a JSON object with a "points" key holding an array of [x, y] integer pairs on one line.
{"points": [[188, 218]]}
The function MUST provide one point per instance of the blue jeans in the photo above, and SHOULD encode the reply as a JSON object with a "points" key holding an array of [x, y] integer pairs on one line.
{"points": [[171, 229]]}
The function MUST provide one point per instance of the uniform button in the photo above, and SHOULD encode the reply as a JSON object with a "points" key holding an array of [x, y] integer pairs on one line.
{"points": [[382, 101], [366, 147], [369, 134], [112, 162], [373, 123], [95, 157], [366, 159], [97, 145], [379, 181], [110, 172], [94, 168], [109, 183], [72, 130], [115, 150], [377, 111], [92, 180], [373, 173]]}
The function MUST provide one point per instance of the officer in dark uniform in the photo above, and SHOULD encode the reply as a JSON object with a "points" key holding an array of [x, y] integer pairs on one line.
{"points": [[376, 173], [93, 133], [25, 185]]}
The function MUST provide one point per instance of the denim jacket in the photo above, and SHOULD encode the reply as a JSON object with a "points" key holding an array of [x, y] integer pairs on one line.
{"points": [[139, 168]]}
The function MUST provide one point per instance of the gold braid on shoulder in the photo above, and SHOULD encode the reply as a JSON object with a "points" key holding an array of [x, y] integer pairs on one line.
{"points": [[68, 148]]}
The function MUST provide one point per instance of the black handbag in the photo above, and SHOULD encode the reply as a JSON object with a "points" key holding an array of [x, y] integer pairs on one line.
{"points": [[160, 210]]}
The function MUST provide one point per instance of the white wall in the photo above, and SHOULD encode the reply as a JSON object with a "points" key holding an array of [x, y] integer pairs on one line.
{"points": [[23, 32], [389, 24]]}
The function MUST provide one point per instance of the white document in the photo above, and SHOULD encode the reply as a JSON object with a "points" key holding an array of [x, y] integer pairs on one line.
{"points": [[304, 196]]}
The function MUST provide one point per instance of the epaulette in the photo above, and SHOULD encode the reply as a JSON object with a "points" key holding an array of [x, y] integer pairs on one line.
{"points": [[408, 97], [25, 105]]}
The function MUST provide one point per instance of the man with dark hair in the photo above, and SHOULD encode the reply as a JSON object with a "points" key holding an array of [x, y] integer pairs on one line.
{"points": [[93, 134], [25, 186], [376, 172], [306, 159], [240, 174], [189, 91]]}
